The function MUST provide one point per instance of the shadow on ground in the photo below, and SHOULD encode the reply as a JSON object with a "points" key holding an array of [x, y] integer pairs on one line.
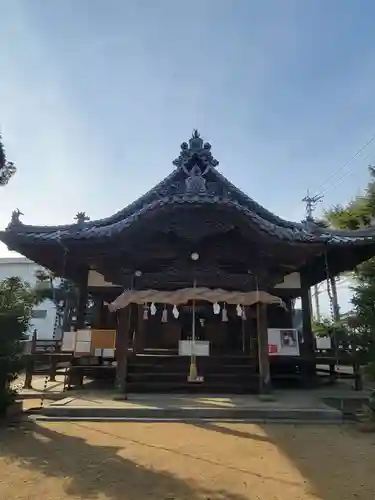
{"points": [[94, 470], [336, 460]]}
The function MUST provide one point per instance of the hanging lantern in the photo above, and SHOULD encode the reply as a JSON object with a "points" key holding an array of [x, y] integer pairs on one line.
{"points": [[243, 316], [153, 309], [216, 308], [145, 312], [164, 315], [224, 314], [175, 312], [239, 310]]}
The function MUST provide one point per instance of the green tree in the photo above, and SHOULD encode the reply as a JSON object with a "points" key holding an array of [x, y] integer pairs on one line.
{"points": [[17, 300], [62, 292], [344, 335], [360, 213], [7, 168]]}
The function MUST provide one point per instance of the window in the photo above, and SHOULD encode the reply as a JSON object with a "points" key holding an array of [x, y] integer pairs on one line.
{"points": [[39, 314]]}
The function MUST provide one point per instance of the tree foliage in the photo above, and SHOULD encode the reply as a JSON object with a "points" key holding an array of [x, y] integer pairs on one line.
{"points": [[17, 300], [7, 168], [357, 214], [346, 337], [62, 292]]}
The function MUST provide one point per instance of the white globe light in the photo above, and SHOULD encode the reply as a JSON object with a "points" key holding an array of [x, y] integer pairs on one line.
{"points": [[138, 273], [194, 256]]}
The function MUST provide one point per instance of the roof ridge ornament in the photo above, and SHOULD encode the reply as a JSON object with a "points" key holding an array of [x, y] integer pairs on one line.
{"points": [[196, 141], [81, 218], [15, 218], [195, 183], [196, 152]]}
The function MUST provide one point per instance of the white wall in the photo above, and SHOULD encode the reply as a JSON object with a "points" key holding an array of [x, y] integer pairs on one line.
{"points": [[292, 280], [25, 269]]}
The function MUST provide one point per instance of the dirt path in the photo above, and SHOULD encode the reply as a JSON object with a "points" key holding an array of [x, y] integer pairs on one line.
{"points": [[134, 461]]}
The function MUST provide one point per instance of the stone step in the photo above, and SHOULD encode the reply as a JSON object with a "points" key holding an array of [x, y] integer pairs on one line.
{"points": [[193, 388], [231, 376], [184, 368], [259, 413], [203, 360]]}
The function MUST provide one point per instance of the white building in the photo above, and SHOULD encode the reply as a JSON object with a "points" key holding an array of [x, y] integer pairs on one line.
{"points": [[45, 313]]}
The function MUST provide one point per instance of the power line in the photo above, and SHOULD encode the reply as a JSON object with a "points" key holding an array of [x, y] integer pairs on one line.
{"points": [[318, 290], [342, 178], [326, 186], [344, 165], [311, 204]]}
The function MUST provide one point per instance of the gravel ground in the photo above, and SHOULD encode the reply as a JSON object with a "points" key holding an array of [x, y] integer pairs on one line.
{"points": [[166, 461]]}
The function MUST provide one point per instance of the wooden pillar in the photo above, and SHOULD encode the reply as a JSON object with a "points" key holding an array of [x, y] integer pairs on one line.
{"points": [[30, 362], [82, 299], [307, 349], [335, 300], [122, 344], [53, 368], [30, 366], [139, 330], [308, 336], [69, 309], [264, 363], [102, 314]]}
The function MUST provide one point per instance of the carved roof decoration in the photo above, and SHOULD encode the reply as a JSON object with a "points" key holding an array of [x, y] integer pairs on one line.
{"points": [[194, 182], [195, 151]]}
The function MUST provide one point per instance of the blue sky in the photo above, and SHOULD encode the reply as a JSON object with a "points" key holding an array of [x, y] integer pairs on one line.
{"points": [[96, 97]]}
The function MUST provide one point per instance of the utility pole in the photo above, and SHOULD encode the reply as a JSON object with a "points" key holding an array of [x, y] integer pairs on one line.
{"points": [[317, 303], [311, 204]]}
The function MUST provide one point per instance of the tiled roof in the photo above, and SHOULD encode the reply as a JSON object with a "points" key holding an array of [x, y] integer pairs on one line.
{"points": [[194, 182]]}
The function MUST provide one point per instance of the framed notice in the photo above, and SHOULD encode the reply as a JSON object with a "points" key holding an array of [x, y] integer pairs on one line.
{"points": [[283, 342]]}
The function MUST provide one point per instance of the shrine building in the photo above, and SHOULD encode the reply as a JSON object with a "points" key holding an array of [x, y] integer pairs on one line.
{"points": [[192, 286]]}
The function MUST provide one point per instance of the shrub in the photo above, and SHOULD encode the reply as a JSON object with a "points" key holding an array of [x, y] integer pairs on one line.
{"points": [[17, 300]]}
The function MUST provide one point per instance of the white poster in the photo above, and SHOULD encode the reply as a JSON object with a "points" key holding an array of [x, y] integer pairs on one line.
{"points": [[188, 347], [283, 342], [84, 335], [68, 341]]}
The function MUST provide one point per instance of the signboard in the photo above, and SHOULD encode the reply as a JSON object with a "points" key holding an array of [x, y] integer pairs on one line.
{"points": [[83, 335], [323, 343], [68, 341], [188, 347], [283, 342]]}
